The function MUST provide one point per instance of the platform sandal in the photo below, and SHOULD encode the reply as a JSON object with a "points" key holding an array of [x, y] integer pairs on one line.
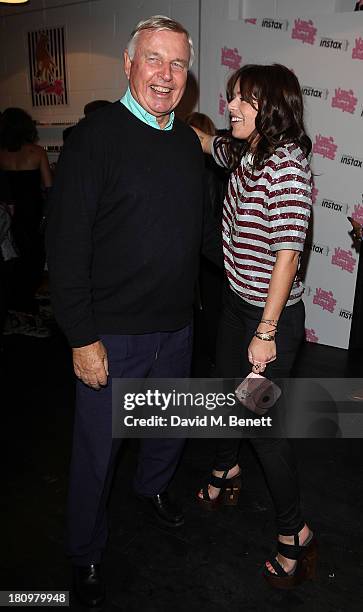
{"points": [[229, 491], [306, 558]]}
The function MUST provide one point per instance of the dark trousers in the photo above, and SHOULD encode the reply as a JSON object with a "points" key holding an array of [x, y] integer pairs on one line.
{"points": [[155, 355], [238, 323]]}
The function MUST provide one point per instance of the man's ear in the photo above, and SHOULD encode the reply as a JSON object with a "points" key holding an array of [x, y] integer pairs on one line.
{"points": [[127, 63]]}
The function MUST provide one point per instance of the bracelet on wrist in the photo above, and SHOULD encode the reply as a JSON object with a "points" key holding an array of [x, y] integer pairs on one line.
{"points": [[267, 331], [272, 322], [264, 336]]}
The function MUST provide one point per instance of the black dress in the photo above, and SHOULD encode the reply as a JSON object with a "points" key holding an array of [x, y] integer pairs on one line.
{"points": [[25, 186]]}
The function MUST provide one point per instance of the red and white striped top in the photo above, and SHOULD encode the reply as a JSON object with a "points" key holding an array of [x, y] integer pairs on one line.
{"points": [[264, 211]]}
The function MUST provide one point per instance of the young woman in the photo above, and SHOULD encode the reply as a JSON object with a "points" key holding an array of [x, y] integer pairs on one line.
{"points": [[265, 217], [26, 168]]}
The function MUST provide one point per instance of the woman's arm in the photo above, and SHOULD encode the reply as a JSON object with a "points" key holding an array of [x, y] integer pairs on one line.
{"points": [[205, 140], [45, 171], [282, 277]]}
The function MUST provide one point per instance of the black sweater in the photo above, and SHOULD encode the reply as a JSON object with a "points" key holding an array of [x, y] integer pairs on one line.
{"points": [[124, 227]]}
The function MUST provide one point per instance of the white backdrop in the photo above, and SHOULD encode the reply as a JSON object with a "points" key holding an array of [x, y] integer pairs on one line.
{"points": [[326, 54]]}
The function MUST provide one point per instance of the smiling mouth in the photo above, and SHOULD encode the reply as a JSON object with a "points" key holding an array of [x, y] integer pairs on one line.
{"points": [[236, 119], [160, 90]]}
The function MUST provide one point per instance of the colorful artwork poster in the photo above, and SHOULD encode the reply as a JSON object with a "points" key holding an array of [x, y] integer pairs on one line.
{"points": [[47, 66]]}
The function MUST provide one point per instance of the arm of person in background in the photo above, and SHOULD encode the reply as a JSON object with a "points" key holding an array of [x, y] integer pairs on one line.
{"points": [[46, 180], [74, 200], [357, 228], [45, 171]]}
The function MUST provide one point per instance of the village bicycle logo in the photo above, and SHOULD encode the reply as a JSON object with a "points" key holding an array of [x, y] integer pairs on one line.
{"points": [[332, 205], [331, 43], [274, 24], [314, 92], [349, 160]]}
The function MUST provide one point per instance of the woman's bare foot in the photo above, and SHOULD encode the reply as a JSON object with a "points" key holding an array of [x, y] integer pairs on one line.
{"points": [[214, 491], [289, 564]]}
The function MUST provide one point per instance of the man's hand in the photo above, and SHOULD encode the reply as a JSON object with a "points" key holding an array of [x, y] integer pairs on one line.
{"points": [[91, 365]]}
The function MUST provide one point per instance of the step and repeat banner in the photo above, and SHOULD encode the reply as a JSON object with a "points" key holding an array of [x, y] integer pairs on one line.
{"points": [[326, 54]]}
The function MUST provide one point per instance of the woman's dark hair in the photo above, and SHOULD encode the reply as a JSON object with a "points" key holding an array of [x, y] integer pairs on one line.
{"points": [[16, 129], [274, 91]]}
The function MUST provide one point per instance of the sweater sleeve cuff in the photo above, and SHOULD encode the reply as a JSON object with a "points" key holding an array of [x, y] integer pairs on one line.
{"points": [[82, 335]]}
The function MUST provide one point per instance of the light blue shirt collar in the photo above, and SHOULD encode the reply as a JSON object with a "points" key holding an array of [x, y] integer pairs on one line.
{"points": [[134, 107]]}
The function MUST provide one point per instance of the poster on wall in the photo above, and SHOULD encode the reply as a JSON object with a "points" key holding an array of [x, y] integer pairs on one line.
{"points": [[47, 67], [326, 54]]}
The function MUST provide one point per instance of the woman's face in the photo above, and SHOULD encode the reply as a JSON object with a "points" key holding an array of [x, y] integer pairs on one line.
{"points": [[243, 115]]}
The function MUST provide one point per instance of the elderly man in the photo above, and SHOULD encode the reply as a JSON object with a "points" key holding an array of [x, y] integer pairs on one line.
{"points": [[123, 241]]}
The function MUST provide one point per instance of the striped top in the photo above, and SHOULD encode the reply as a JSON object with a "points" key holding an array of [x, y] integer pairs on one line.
{"points": [[264, 211]]}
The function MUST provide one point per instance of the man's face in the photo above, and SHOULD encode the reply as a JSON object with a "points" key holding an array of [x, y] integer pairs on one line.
{"points": [[158, 72]]}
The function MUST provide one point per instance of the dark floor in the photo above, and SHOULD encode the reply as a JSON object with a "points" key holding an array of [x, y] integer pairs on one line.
{"points": [[213, 562]]}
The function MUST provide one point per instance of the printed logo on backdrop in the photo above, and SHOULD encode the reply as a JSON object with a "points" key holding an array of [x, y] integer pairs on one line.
{"points": [[274, 24], [314, 194], [314, 92], [319, 249], [357, 213], [231, 58], [222, 105], [304, 30], [310, 335], [333, 206], [325, 146], [357, 52], [324, 299], [332, 43], [345, 100], [253, 21], [47, 67], [343, 259], [345, 313], [349, 160]]}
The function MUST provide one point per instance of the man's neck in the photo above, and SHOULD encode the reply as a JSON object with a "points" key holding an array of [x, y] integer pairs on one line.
{"points": [[163, 121]]}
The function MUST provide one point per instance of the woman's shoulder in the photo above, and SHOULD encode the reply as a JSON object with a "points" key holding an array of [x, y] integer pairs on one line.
{"points": [[287, 156], [33, 150], [289, 152]]}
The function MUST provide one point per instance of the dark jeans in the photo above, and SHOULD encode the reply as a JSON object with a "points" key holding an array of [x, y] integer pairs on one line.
{"points": [[238, 322], [155, 355]]}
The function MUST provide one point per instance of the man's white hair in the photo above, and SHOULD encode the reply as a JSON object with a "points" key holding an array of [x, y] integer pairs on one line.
{"points": [[158, 23]]}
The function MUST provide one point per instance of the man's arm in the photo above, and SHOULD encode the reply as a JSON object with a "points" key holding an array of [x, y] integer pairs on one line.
{"points": [[72, 211]]}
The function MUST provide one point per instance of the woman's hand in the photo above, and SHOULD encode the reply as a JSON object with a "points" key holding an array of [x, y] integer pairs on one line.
{"points": [[260, 353], [205, 139]]}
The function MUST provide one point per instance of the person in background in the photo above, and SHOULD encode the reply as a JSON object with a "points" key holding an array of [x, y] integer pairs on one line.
{"points": [[26, 167], [265, 218], [8, 252], [89, 108], [209, 300], [123, 241]]}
